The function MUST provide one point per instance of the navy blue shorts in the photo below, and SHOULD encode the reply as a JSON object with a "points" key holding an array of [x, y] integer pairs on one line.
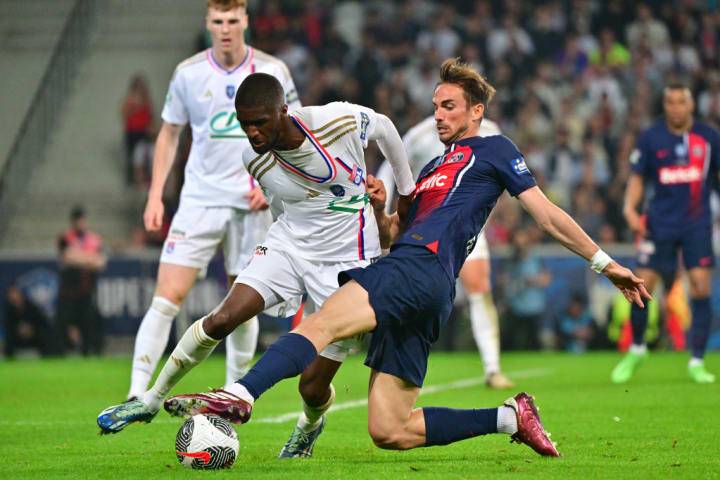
{"points": [[412, 297], [661, 253]]}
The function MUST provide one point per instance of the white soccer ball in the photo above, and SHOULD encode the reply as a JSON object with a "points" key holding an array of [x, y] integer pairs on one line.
{"points": [[207, 442]]}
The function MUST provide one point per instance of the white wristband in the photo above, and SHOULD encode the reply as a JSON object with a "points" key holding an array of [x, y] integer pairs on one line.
{"points": [[599, 261]]}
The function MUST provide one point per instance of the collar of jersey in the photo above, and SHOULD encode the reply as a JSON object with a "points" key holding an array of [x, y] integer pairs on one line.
{"points": [[329, 160], [219, 68]]}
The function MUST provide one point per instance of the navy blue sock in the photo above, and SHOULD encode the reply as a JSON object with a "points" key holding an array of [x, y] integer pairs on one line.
{"points": [[289, 356], [448, 425], [700, 328], [638, 321]]}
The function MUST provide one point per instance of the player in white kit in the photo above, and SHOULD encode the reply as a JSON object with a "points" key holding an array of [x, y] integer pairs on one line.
{"points": [[311, 165], [422, 143], [220, 202]]}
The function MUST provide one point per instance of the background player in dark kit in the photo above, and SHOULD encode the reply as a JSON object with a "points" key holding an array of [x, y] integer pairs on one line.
{"points": [[678, 158]]}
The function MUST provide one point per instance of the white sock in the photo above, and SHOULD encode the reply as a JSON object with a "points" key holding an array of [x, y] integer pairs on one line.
{"points": [[638, 349], [311, 417], [506, 420], [150, 342], [695, 361], [194, 347], [240, 346], [484, 321], [240, 391]]}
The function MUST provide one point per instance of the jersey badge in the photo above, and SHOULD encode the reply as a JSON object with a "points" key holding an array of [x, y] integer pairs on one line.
{"points": [[230, 91], [680, 150], [170, 247], [659, 154], [519, 166], [356, 176], [260, 250], [337, 190], [456, 157]]}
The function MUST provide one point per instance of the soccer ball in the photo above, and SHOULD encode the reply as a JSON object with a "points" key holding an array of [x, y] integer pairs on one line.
{"points": [[207, 442]]}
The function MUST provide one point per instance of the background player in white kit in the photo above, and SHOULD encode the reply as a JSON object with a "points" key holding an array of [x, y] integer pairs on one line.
{"points": [[311, 165], [421, 143], [220, 202]]}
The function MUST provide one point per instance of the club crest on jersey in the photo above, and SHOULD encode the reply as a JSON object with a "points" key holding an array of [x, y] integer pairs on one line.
{"points": [[680, 150], [170, 248], [337, 190], [456, 157], [356, 176], [519, 166], [230, 91]]}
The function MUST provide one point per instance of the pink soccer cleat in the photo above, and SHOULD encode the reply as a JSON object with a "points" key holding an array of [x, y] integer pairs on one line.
{"points": [[530, 429], [216, 402]]}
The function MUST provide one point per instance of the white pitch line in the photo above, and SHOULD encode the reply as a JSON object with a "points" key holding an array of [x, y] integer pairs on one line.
{"points": [[286, 417]]}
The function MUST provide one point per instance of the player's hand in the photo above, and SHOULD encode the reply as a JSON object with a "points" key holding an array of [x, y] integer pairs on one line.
{"points": [[632, 287], [636, 225], [153, 216], [257, 199], [378, 195]]}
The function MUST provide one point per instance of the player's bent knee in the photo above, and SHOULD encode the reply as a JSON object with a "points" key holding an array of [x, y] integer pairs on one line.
{"points": [[387, 437], [219, 324]]}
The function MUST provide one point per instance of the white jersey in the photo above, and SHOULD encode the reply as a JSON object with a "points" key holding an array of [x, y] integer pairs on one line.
{"points": [[203, 93], [423, 144], [319, 188]]}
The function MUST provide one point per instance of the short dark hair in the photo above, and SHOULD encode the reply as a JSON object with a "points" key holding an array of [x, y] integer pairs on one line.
{"points": [[475, 88], [260, 90], [77, 212], [676, 85]]}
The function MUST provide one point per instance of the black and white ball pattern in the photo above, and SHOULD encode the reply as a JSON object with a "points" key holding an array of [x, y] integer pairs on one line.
{"points": [[206, 442]]}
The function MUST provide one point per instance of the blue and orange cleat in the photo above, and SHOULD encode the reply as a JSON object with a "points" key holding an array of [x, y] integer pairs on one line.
{"points": [[530, 428], [301, 443], [114, 419], [216, 402]]}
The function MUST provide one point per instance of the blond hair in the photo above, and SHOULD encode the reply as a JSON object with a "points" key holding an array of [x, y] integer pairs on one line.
{"points": [[475, 88], [225, 5]]}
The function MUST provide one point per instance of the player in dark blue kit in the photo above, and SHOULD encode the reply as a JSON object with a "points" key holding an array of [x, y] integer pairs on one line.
{"points": [[405, 298], [678, 158]]}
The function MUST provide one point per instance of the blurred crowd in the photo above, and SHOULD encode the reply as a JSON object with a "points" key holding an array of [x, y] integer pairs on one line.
{"points": [[577, 80]]}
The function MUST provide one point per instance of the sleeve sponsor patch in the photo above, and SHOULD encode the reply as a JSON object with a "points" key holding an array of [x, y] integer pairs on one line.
{"points": [[635, 156], [519, 166]]}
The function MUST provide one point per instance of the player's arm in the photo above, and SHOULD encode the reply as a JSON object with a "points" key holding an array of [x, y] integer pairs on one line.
{"points": [[559, 225], [633, 197], [389, 226], [391, 146], [165, 149]]}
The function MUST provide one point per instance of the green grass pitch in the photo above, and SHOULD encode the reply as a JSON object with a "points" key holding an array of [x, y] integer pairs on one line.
{"points": [[658, 426]]}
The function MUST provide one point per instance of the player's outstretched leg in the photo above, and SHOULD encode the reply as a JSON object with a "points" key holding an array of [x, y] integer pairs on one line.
{"points": [[637, 354], [395, 424]]}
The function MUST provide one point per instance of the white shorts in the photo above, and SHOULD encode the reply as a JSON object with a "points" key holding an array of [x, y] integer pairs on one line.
{"points": [[196, 232], [278, 276], [480, 250]]}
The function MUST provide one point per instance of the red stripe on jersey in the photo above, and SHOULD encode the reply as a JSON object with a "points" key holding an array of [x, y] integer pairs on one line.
{"points": [[698, 150], [436, 185]]}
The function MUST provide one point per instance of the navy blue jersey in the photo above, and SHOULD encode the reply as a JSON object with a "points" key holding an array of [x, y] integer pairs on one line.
{"points": [[456, 192], [678, 171]]}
